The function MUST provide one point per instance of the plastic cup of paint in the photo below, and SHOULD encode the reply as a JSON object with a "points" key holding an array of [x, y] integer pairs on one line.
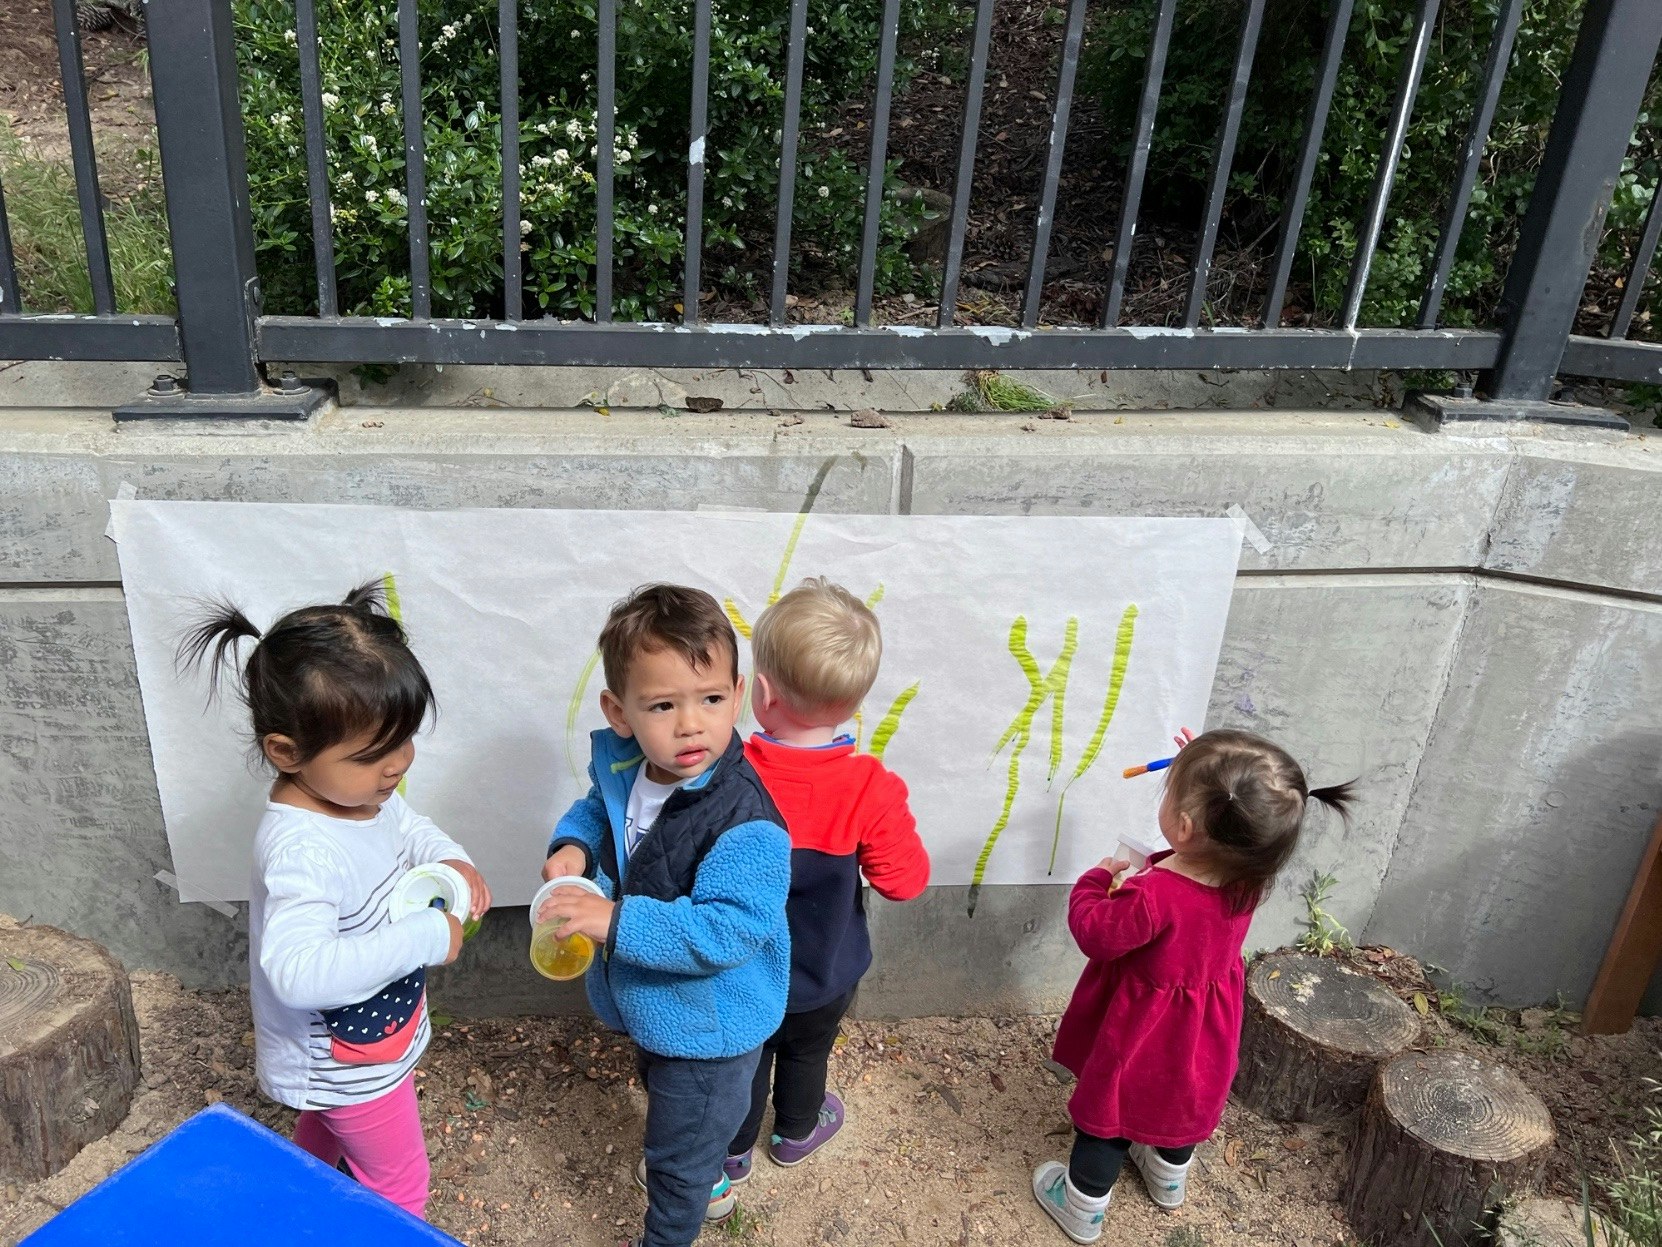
{"points": [[434, 886], [553, 957]]}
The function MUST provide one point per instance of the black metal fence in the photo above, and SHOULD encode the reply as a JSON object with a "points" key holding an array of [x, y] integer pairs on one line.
{"points": [[222, 337]]}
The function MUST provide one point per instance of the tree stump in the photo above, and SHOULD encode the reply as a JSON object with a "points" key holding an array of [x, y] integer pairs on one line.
{"points": [[1313, 1035], [69, 1051], [1445, 1139], [1552, 1223]]}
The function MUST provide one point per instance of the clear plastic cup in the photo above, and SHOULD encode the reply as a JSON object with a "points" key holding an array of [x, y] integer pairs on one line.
{"points": [[553, 957], [434, 886]]}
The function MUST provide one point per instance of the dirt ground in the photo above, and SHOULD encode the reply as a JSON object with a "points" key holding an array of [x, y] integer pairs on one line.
{"points": [[534, 1124], [31, 99]]}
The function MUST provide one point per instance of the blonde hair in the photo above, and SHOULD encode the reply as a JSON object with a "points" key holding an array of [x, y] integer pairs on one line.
{"points": [[820, 646]]}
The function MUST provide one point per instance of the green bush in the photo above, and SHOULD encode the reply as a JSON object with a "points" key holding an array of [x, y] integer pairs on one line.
{"points": [[462, 127], [1272, 131]]}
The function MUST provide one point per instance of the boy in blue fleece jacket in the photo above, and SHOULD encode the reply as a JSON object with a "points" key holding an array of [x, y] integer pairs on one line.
{"points": [[692, 854]]}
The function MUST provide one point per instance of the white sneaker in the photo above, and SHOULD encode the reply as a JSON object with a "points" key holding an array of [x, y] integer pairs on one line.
{"points": [[1165, 1182], [1080, 1216]]}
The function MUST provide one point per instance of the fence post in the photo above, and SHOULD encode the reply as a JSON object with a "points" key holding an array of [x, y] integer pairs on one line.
{"points": [[1604, 87], [193, 74]]}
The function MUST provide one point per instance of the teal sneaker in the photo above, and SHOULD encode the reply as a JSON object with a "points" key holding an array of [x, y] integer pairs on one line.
{"points": [[1079, 1216], [722, 1197]]}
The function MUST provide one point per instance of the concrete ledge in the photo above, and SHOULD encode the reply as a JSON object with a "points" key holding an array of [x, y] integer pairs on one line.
{"points": [[1589, 515]]}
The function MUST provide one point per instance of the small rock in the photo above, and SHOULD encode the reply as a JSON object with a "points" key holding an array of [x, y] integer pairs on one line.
{"points": [[867, 418], [703, 404]]}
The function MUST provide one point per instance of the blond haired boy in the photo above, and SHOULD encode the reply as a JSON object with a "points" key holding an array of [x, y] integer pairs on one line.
{"points": [[816, 655]]}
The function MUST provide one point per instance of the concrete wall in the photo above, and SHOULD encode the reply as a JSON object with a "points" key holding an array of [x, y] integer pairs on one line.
{"points": [[1472, 627]]}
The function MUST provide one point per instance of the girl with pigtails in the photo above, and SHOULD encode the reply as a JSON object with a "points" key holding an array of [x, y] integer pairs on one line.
{"points": [[337, 987]]}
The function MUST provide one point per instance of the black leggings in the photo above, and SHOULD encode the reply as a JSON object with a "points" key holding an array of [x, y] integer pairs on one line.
{"points": [[793, 1064], [1095, 1163]]}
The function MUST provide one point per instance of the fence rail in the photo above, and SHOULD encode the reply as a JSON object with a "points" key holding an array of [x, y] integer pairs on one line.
{"points": [[223, 338]]}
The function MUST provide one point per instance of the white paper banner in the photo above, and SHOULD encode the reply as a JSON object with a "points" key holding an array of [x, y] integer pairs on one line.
{"points": [[983, 618]]}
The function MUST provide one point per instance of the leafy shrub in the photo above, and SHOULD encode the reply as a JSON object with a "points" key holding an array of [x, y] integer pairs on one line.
{"points": [[558, 103], [1272, 131]]}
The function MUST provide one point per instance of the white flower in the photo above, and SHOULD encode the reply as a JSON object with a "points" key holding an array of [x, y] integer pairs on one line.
{"points": [[576, 35], [621, 155], [825, 192], [574, 129], [652, 208], [726, 201], [331, 100], [372, 196], [540, 162], [396, 197], [524, 226], [291, 38], [387, 109], [561, 157], [542, 128], [346, 178]]}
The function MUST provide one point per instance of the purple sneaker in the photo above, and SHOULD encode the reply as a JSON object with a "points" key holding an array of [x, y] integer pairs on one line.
{"points": [[737, 1168], [788, 1152]]}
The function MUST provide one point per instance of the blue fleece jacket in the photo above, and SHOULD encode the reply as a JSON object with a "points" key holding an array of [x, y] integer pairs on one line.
{"points": [[702, 974]]}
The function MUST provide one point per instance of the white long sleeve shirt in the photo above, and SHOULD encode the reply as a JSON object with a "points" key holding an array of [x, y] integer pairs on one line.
{"points": [[321, 937]]}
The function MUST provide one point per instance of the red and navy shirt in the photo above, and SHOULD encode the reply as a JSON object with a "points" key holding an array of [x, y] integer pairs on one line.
{"points": [[847, 816]]}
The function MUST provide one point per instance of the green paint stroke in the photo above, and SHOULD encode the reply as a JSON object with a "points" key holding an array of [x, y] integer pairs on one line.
{"points": [[875, 597], [890, 723], [574, 708], [395, 610], [1020, 730], [1116, 681], [389, 591], [1058, 683], [785, 563]]}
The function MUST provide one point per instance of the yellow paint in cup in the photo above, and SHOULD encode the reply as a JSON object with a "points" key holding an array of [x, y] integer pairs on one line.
{"points": [[553, 957]]}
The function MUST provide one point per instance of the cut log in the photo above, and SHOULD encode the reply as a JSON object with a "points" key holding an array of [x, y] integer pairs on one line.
{"points": [[1445, 1140], [1553, 1223], [1313, 1035], [69, 1051]]}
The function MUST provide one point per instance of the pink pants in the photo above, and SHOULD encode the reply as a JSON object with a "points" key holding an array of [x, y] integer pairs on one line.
{"points": [[381, 1140]]}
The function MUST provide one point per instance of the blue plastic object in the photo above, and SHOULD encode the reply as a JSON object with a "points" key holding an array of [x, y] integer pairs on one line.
{"points": [[222, 1180]]}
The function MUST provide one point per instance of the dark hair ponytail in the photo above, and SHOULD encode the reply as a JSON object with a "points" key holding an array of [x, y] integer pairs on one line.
{"points": [[320, 675], [1337, 797], [1248, 796], [219, 629]]}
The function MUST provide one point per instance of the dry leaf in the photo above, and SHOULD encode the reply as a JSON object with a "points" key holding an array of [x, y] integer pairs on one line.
{"points": [[1232, 1153], [1422, 1006], [699, 403], [15, 964], [1293, 1144], [1274, 974]]}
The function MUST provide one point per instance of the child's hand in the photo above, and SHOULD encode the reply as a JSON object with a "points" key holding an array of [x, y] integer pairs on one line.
{"points": [[455, 938], [568, 861], [582, 911], [478, 889], [1114, 865], [1183, 737]]}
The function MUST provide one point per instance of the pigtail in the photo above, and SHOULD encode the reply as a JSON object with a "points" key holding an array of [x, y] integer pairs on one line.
{"points": [[369, 597], [219, 630], [1337, 797]]}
